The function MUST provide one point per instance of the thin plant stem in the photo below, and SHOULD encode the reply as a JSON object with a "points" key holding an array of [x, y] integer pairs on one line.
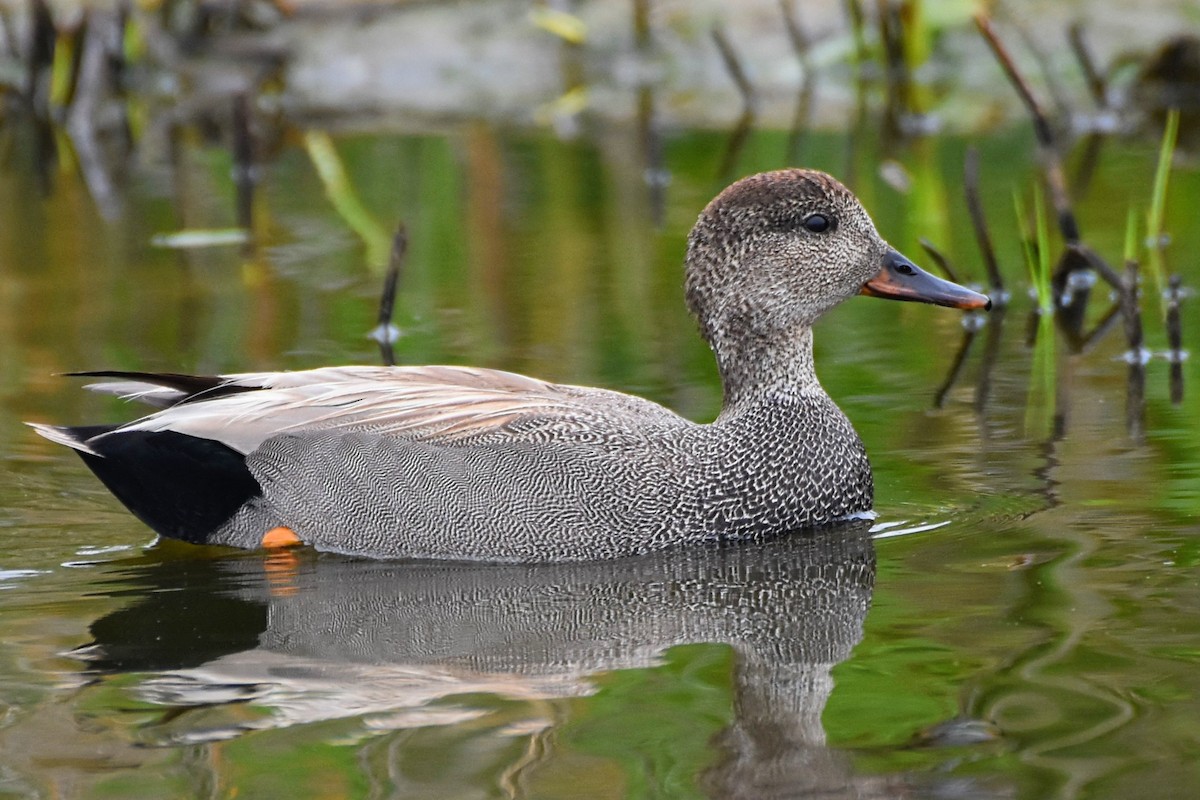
{"points": [[1158, 202]]}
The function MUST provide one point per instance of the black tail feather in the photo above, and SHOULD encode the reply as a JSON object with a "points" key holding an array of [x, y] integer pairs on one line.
{"points": [[183, 487]]}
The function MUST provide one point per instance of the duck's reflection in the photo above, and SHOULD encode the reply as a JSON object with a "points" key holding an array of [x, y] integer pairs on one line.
{"points": [[314, 638]]}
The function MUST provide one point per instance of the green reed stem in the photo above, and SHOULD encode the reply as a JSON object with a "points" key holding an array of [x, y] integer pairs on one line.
{"points": [[1158, 204], [1039, 406], [1131, 248], [341, 193]]}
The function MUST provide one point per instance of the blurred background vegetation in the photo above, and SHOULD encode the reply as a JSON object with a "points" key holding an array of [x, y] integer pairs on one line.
{"points": [[213, 186]]}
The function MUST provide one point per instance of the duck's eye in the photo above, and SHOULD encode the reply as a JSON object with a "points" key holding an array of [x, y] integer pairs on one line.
{"points": [[817, 223]]}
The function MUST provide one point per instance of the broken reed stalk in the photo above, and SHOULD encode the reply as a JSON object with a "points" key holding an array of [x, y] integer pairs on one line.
{"points": [[749, 102], [989, 357], [796, 34], [741, 131], [641, 23], [1175, 352], [1096, 82], [656, 174], [956, 367], [1135, 402], [980, 226], [1129, 299], [40, 53], [1050, 76], [1101, 328], [891, 31], [1051, 161], [243, 161], [940, 260], [1041, 125], [800, 119], [1135, 393], [1086, 165], [1096, 262], [737, 142], [1131, 311], [858, 24], [386, 332], [733, 65]]}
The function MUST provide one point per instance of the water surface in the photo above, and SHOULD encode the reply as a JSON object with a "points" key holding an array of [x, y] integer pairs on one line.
{"points": [[1020, 622]]}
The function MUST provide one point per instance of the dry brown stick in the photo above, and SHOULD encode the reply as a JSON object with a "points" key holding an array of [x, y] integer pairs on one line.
{"points": [[1086, 166], [1135, 402], [1135, 393], [796, 34], [1083, 54], [1101, 266], [1041, 125], [899, 81], [1174, 329], [940, 259], [1131, 311], [956, 367], [1050, 76], [737, 142], [641, 23], [800, 44], [243, 161], [989, 357], [734, 66], [385, 333], [800, 119], [1101, 329], [40, 52], [1051, 162], [1175, 337], [655, 175], [979, 223], [858, 24]]}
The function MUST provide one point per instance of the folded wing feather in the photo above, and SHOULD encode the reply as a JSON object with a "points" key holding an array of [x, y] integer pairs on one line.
{"points": [[435, 403]]}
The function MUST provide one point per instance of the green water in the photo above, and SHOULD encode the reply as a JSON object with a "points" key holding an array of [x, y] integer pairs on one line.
{"points": [[1023, 622]]}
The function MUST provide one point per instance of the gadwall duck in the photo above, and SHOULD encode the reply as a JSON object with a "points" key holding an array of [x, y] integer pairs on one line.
{"points": [[463, 463]]}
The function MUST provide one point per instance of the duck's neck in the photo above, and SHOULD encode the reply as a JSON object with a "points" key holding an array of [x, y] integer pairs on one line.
{"points": [[754, 369], [781, 453]]}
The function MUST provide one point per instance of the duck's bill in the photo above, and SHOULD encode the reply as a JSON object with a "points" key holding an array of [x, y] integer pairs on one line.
{"points": [[900, 279]]}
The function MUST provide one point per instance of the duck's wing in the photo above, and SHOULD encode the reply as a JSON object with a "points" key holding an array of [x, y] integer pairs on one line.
{"points": [[436, 403], [160, 389], [166, 389]]}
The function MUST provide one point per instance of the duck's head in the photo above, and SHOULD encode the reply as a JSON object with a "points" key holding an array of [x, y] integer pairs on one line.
{"points": [[774, 251]]}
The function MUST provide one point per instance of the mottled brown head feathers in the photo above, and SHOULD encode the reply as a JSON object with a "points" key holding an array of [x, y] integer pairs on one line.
{"points": [[757, 264]]}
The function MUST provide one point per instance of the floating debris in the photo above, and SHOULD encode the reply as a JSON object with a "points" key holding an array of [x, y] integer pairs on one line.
{"points": [[566, 26], [201, 237], [958, 732], [893, 173], [1140, 357]]}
